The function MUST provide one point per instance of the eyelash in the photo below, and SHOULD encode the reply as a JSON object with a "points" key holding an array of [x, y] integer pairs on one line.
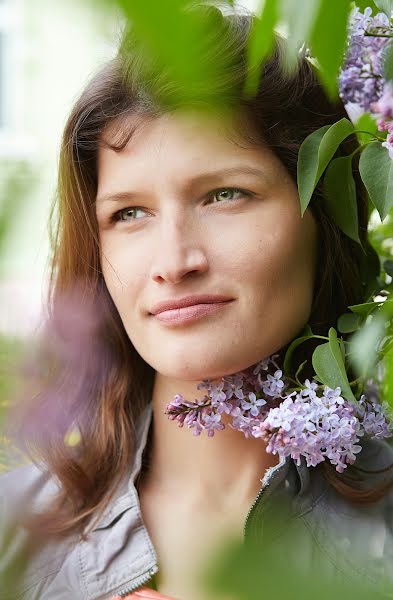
{"points": [[116, 216]]}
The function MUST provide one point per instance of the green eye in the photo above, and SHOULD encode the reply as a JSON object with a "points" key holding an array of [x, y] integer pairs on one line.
{"points": [[128, 214], [228, 193]]}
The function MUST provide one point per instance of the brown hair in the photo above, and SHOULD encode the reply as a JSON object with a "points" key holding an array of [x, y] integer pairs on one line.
{"points": [[113, 383]]}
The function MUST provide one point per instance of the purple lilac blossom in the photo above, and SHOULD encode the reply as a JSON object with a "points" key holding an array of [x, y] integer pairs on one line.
{"points": [[375, 418], [243, 396], [315, 428], [315, 423], [384, 109], [252, 404], [211, 423], [361, 81], [274, 384]]}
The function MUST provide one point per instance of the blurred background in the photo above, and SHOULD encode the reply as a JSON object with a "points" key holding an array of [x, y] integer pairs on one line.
{"points": [[48, 50]]}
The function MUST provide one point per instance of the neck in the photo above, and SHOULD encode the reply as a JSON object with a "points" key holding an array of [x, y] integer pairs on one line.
{"points": [[225, 465]]}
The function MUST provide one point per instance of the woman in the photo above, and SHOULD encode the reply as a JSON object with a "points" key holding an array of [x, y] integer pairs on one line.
{"points": [[160, 207]]}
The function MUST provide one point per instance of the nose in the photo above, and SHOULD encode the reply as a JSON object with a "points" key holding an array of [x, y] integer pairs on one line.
{"points": [[179, 251]]}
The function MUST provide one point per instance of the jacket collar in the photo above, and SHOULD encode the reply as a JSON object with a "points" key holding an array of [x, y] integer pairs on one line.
{"points": [[126, 494], [118, 555]]}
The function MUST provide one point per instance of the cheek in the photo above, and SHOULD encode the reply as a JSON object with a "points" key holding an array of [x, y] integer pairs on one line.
{"points": [[268, 252], [278, 279], [122, 272]]}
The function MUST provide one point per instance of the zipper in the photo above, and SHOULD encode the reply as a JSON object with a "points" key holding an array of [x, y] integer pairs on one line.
{"points": [[260, 493], [124, 591], [266, 479]]}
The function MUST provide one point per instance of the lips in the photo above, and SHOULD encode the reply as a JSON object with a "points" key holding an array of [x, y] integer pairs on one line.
{"points": [[188, 314], [187, 301]]}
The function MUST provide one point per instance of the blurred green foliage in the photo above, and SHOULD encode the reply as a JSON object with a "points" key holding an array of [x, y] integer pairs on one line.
{"points": [[183, 41], [18, 177], [254, 572], [11, 351]]}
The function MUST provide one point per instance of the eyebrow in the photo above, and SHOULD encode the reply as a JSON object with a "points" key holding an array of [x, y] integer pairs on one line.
{"points": [[198, 179]]}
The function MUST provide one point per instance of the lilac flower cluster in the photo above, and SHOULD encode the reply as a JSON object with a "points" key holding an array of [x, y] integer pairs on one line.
{"points": [[314, 427], [361, 81], [374, 417], [315, 422], [243, 396], [384, 107]]}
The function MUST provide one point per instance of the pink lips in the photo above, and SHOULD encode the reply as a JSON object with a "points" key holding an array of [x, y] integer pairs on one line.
{"points": [[178, 316]]}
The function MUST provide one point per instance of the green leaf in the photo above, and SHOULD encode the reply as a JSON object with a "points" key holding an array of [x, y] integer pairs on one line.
{"points": [[329, 365], [307, 166], [331, 141], [183, 48], [366, 122], [348, 322], [315, 153], [337, 349], [364, 309], [376, 171], [385, 6], [340, 196], [387, 67], [329, 39], [260, 43]]}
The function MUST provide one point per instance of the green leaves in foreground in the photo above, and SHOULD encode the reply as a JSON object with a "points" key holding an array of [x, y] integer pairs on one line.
{"points": [[364, 345], [330, 24], [280, 570], [315, 153], [183, 48], [259, 44], [316, 158], [12, 572], [376, 171], [329, 364]]}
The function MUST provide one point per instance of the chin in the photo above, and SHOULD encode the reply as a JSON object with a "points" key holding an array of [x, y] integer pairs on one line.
{"points": [[197, 371]]}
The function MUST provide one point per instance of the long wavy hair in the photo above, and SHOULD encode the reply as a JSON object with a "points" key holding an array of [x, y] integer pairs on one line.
{"points": [[101, 384]]}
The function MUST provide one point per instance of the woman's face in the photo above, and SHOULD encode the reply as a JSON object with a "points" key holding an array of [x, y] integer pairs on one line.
{"points": [[186, 210]]}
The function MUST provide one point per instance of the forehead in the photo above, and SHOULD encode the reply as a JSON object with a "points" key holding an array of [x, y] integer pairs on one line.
{"points": [[180, 144]]}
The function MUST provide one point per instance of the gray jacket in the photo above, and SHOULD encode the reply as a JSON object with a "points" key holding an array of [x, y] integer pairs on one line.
{"points": [[119, 556]]}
